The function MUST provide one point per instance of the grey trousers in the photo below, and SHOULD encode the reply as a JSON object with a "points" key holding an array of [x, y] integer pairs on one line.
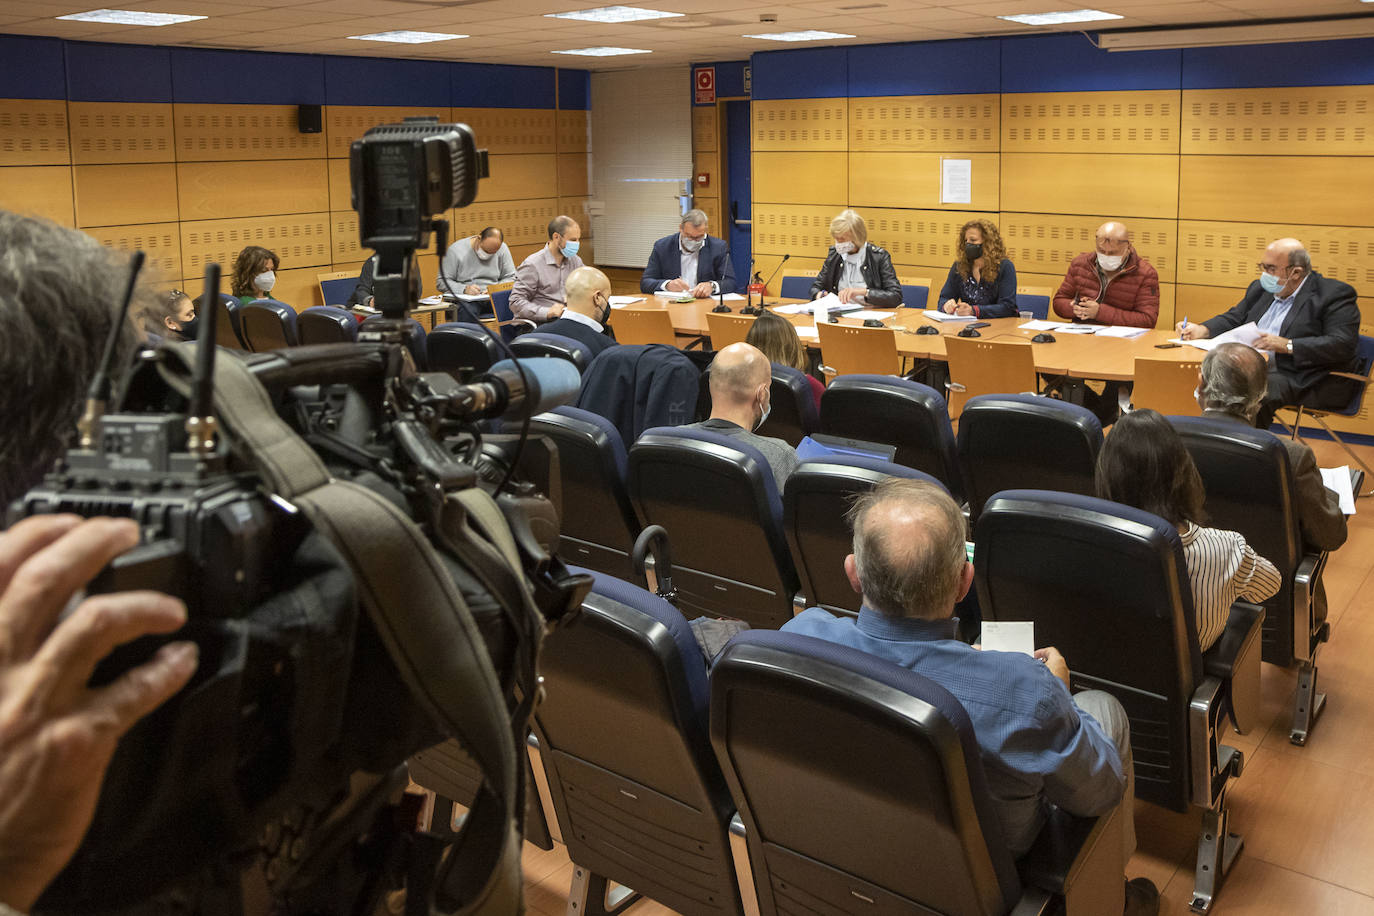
{"points": [[1106, 709]]}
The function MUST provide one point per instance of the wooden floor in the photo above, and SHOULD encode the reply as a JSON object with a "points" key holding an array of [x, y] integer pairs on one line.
{"points": [[1307, 814]]}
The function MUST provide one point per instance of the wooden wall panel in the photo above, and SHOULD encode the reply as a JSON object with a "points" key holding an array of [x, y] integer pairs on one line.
{"points": [[300, 240], [212, 133], [928, 123], [1046, 243], [800, 124], [106, 132], [711, 207], [1306, 120], [1307, 190], [523, 221], [912, 180], [1227, 254], [520, 178], [919, 238], [518, 253], [801, 231], [511, 130], [1202, 302], [343, 238], [346, 123], [33, 132], [705, 128], [340, 191], [210, 190], [122, 195], [1123, 185], [766, 263], [574, 134], [801, 178], [160, 241], [1117, 121], [573, 180], [39, 190], [577, 208]]}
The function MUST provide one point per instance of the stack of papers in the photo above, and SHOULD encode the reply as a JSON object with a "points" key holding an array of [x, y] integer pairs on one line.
{"points": [[1077, 328], [937, 315], [1247, 334], [830, 303], [1121, 331], [1041, 325], [619, 302], [1340, 480]]}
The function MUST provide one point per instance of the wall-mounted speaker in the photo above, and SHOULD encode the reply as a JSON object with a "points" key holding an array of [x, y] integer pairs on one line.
{"points": [[310, 118]]}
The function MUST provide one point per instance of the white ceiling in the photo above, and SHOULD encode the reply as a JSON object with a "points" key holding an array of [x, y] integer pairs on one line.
{"points": [[517, 31]]}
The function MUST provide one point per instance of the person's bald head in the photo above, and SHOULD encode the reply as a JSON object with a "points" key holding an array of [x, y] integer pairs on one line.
{"points": [[1113, 238], [1288, 260], [737, 374], [588, 292], [1233, 379]]}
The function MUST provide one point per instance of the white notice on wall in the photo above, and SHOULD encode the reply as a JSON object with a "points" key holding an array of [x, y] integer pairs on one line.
{"points": [[956, 181]]}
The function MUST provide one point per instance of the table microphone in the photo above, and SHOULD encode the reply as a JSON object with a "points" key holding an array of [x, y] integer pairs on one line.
{"points": [[771, 276]]}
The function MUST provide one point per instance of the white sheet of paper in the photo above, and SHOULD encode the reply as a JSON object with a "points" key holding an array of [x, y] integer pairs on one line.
{"points": [[673, 294], [1247, 334], [808, 333], [1009, 636], [829, 302], [1121, 331], [869, 313], [956, 181], [1338, 479], [1041, 325], [796, 308], [937, 315], [1078, 328], [617, 301], [731, 297]]}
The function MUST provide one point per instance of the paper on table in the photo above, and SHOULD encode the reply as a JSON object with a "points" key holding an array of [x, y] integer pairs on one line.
{"points": [[1338, 479], [1128, 333], [1078, 328], [619, 302], [796, 308], [869, 313], [808, 332], [1040, 325], [1247, 334], [937, 315], [1009, 636], [730, 297]]}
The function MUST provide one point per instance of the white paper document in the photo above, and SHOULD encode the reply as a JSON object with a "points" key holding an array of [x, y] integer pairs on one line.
{"points": [[937, 315], [1247, 334], [1041, 325], [730, 297], [869, 313], [808, 333], [1077, 328], [1009, 636], [956, 181], [796, 308], [1121, 331], [1338, 479], [674, 294], [619, 302]]}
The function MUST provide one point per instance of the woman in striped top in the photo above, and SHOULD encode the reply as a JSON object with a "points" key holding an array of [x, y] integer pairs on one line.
{"points": [[1144, 464]]}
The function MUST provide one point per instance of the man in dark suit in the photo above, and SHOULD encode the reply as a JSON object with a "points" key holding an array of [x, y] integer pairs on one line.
{"points": [[1309, 326], [587, 315], [689, 260]]}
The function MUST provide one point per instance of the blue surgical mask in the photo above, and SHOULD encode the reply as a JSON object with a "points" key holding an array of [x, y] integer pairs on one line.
{"points": [[1271, 283], [569, 249]]}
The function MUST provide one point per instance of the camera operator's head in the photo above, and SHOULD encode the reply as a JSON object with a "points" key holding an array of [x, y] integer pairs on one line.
{"points": [[59, 292]]}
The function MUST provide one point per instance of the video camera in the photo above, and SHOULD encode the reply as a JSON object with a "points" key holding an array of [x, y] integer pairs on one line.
{"points": [[365, 574]]}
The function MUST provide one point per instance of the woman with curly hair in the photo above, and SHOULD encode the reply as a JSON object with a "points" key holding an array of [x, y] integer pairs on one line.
{"points": [[982, 282], [255, 273]]}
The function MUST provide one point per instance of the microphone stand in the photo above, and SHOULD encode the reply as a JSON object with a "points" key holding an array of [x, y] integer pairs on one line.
{"points": [[770, 278]]}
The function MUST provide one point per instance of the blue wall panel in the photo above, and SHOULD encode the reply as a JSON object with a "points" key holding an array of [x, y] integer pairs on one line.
{"points": [[118, 73], [501, 86], [807, 73], [1309, 63], [1071, 63], [926, 68], [383, 81], [729, 78], [246, 77], [574, 89], [31, 68]]}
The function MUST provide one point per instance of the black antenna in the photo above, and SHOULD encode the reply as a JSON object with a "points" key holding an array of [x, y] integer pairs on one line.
{"points": [[98, 394], [200, 423]]}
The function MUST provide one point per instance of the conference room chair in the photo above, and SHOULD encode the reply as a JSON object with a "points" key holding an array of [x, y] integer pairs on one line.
{"points": [[1108, 586], [724, 329], [796, 284], [718, 501], [511, 327], [1364, 356], [414, 339], [623, 738], [325, 324], [987, 367], [644, 326], [599, 525], [793, 416], [1034, 299], [228, 328], [535, 344], [916, 292], [893, 411], [336, 286], [637, 387], [1023, 441], [268, 325], [1250, 489], [462, 350], [849, 350], [861, 789], [1166, 385], [814, 502]]}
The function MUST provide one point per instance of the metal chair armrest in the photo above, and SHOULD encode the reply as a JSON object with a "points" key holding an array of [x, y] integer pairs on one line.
{"points": [[1235, 659], [1078, 859], [1210, 765], [1305, 581]]}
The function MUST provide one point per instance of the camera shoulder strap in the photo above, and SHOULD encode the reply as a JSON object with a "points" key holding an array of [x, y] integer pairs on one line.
{"points": [[422, 619]]}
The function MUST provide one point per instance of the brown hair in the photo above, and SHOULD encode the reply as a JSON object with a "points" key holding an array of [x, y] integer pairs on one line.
{"points": [[154, 314], [1144, 463], [778, 340], [248, 265], [994, 252]]}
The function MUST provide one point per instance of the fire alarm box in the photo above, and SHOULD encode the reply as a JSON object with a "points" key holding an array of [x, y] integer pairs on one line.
{"points": [[703, 179]]}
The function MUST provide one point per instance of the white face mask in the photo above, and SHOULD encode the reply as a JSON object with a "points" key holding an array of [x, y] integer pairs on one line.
{"points": [[1110, 261], [767, 409], [484, 255], [845, 248], [692, 246], [265, 281]]}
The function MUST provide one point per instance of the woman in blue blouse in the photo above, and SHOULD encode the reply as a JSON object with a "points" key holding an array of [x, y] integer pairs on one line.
{"points": [[982, 282]]}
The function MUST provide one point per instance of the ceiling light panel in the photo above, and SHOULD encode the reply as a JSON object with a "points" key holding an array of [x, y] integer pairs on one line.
{"points": [[603, 52], [131, 17], [1061, 17], [806, 35], [407, 37], [614, 14]]}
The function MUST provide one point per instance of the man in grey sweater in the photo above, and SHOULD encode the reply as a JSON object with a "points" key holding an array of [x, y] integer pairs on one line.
{"points": [[741, 385], [472, 264]]}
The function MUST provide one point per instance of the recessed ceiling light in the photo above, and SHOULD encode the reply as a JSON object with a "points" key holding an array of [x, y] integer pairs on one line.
{"points": [[404, 37], [1061, 17], [131, 17], [604, 52], [616, 14], [807, 35]]}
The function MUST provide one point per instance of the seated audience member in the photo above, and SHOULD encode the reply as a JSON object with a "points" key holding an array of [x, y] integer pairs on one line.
{"points": [[171, 316], [741, 393], [1112, 285], [362, 293], [538, 291], [777, 339], [1039, 745], [587, 318], [1145, 464], [982, 281], [856, 270], [1231, 385], [1309, 327], [472, 264], [255, 273], [689, 260]]}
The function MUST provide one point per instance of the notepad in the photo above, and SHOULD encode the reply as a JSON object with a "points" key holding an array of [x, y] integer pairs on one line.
{"points": [[1009, 636]]}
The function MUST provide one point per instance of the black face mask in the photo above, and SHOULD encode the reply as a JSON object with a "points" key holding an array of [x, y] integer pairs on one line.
{"points": [[973, 252], [189, 328], [606, 316]]}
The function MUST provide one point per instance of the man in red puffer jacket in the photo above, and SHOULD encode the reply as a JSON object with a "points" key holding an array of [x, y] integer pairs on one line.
{"points": [[1112, 285]]}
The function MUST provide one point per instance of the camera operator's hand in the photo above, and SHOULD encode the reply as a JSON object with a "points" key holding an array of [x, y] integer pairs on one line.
{"points": [[56, 734]]}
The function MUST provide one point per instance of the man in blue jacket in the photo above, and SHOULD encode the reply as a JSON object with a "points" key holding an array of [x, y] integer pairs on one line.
{"points": [[690, 261]]}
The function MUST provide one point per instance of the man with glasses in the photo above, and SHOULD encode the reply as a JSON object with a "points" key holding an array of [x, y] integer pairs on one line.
{"points": [[690, 262], [1309, 327]]}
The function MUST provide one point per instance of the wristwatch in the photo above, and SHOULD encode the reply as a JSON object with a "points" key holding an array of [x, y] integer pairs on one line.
{"points": [[1290, 346]]}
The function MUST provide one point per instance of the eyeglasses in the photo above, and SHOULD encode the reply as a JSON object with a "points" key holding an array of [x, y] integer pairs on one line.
{"points": [[1272, 268]]}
